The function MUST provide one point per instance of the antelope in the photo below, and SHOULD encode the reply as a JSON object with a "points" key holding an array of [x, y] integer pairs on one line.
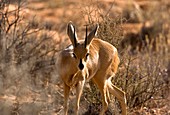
{"points": [[89, 59]]}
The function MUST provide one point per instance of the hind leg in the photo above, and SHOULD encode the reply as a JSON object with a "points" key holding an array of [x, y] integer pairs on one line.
{"points": [[120, 95], [104, 94], [101, 84], [108, 95]]}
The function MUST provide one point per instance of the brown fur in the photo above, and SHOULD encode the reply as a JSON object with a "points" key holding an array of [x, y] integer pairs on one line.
{"points": [[97, 61]]}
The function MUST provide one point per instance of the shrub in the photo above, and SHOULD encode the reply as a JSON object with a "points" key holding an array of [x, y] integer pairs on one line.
{"points": [[26, 52]]}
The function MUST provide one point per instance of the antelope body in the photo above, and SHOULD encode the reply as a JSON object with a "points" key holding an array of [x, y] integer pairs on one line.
{"points": [[91, 59]]}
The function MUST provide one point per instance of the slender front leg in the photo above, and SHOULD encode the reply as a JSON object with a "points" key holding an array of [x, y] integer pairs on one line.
{"points": [[66, 96], [79, 90]]}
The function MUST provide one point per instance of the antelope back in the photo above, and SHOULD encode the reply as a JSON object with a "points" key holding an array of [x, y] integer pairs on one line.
{"points": [[91, 56]]}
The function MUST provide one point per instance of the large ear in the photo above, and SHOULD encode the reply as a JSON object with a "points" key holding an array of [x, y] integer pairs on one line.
{"points": [[71, 32], [91, 35]]}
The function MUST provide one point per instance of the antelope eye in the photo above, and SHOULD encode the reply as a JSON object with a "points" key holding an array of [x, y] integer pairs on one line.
{"points": [[74, 55], [87, 55]]}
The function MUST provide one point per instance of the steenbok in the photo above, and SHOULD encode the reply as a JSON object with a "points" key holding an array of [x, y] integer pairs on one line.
{"points": [[90, 59]]}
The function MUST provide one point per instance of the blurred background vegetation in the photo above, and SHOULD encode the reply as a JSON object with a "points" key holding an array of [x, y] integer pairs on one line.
{"points": [[32, 32]]}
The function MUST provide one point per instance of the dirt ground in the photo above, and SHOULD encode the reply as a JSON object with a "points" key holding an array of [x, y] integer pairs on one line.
{"points": [[46, 98]]}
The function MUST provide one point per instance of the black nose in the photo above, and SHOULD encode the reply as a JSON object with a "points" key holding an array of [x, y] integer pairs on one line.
{"points": [[81, 66]]}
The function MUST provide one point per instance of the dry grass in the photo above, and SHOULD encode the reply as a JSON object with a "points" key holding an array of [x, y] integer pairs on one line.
{"points": [[29, 84]]}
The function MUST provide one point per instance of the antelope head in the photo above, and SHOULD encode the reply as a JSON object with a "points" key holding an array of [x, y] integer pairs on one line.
{"points": [[81, 49]]}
